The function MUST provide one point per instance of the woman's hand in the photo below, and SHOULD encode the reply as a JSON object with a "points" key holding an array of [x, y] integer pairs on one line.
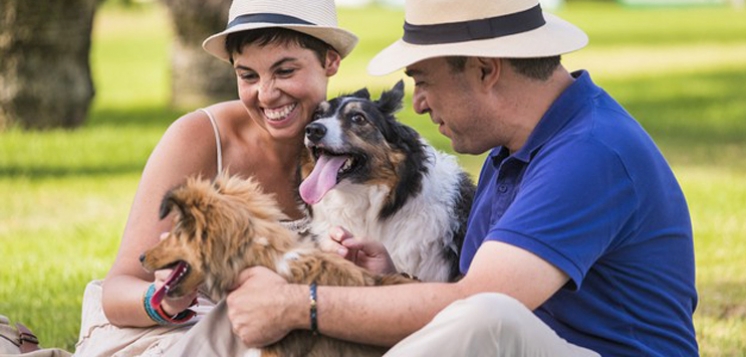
{"points": [[371, 255], [264, 308], [172, 306]]}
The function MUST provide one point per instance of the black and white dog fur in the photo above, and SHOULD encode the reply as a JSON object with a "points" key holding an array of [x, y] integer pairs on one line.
{"points": [[379, 179]]}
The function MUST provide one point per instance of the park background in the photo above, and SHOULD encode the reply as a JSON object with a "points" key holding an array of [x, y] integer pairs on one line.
{"points": [[680, 70]]}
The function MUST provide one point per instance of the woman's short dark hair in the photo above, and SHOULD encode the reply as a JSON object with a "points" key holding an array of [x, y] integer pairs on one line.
{"points": [[236, 41], [540, 68]]}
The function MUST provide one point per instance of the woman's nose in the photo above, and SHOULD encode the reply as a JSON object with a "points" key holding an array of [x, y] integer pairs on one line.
{"points": [[268, 91]]}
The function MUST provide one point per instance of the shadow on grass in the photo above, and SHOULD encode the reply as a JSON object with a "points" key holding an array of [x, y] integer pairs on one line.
{"points": [[722, 300], [155, 117], [702, 108], [43, 172], [114, 141]]}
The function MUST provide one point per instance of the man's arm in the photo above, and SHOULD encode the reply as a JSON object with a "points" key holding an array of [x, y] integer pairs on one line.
{"points": [[264, 308]]}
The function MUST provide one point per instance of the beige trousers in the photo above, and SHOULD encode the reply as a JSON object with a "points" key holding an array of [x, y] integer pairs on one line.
{"points": [[99, 338], [482, 325]]}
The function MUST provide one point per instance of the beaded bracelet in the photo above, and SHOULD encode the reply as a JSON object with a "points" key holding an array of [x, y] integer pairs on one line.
{"points": [[158, 315], [313, 312]]}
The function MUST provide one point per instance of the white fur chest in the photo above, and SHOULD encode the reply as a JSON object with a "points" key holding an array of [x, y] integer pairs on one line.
{"points": [[416, 235]]}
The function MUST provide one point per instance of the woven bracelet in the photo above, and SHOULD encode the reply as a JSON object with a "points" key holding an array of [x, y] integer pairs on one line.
{"points": [[313, 311], [158, 315]]}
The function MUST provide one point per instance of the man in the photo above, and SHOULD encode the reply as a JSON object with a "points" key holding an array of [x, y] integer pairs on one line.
{"points": [[579, 241]]}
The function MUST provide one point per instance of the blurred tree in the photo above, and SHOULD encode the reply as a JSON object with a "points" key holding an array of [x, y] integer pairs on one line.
{"points": [[45, 77], [198, 78]]}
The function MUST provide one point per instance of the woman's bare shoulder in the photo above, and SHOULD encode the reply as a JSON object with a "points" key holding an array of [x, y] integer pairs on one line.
{"points": [[229, 110]]}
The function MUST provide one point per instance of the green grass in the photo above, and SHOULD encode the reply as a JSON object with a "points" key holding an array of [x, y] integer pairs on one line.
{"points": [[66, 194]]}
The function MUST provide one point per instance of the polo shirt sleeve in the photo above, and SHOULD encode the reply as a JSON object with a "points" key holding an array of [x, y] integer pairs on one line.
{"points": [[574, 199]]}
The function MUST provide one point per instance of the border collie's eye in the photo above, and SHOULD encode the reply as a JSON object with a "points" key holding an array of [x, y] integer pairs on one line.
{"points": [[316, 115], [358, 119]]}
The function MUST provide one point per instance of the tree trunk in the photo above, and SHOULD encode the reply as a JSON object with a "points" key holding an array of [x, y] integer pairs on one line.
{"points": [[45, 77], [198, 78]]}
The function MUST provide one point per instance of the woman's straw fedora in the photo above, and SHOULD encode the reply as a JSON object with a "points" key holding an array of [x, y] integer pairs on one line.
{"points": [[480, 28], [316, 18]]}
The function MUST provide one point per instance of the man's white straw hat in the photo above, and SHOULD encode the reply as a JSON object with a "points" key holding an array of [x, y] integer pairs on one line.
{"points": [[480, 28], [316, 18]]}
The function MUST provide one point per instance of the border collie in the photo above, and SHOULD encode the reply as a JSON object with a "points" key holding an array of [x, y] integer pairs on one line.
{"points": [[379, 179]]}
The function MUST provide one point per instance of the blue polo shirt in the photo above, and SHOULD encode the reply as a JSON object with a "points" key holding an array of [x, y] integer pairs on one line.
{"points": [[590, 193]]}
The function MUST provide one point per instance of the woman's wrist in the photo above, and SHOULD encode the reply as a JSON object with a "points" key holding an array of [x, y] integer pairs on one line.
{"points": [[154, 308]]}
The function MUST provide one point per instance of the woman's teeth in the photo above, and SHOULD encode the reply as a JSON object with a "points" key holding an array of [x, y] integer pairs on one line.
{"points": [[279, 113]]}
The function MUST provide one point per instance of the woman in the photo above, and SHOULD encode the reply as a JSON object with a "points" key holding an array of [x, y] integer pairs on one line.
{"points": [[283, 52]]}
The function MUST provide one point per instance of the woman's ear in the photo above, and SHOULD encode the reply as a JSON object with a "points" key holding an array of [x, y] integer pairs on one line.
{"points": [[332, 62]]}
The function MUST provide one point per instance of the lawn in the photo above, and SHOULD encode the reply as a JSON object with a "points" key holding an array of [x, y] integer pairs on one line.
{"points": [[66, 194]]}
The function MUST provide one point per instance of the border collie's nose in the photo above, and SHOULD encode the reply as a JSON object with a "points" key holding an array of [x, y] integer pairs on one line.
{"points": [[315, 132]]}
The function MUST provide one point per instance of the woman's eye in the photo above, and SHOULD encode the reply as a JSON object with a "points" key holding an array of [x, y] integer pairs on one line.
{"points": [[248, 76]]}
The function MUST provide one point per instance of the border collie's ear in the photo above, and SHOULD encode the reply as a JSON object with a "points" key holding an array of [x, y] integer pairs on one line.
{"points": [[391, 100], [361, 93]]}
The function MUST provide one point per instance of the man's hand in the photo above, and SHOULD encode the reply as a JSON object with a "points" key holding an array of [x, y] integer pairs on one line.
{"points": [[371, 255], [264, 308]]}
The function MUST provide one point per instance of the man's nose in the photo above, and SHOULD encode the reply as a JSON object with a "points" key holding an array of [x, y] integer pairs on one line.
{"points": [[419, 104]]}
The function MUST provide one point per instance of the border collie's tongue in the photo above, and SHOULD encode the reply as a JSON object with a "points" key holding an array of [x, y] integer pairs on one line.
{"points": [[322, 179], [174, 276]]}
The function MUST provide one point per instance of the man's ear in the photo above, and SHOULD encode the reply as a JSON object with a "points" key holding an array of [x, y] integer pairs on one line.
{"points": [[331, 64], [489, 68]]}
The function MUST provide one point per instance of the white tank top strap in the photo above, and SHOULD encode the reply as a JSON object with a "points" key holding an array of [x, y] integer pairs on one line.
{"points": [[217, 138]]}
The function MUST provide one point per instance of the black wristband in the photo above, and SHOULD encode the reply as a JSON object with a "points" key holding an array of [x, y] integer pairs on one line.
{"points": [[313, 311]]}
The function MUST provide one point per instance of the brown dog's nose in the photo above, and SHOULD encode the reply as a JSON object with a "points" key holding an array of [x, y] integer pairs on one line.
{"points": [[315, 131], [142, 257]]}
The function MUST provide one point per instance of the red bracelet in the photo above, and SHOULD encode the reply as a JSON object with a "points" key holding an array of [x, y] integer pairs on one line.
{"points": [[155, 310]]}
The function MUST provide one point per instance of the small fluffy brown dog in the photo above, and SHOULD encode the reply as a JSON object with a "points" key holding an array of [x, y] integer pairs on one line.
{"points": [[227, 225]]}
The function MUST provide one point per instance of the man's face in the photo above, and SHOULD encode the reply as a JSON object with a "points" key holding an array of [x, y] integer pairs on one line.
{"points": [[448, 96]]}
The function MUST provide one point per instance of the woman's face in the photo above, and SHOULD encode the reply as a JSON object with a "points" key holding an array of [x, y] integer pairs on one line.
{"points": [[281, 84]]}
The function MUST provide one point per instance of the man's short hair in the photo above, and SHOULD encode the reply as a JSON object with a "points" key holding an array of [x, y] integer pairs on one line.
{"points": [[236, 41], [540, 68]]}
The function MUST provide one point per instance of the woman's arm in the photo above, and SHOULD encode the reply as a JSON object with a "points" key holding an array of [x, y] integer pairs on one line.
{"points": [[186, 149]]}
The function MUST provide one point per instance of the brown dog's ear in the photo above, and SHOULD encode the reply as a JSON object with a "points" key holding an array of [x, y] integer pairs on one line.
{"points": [[168, 203]]}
